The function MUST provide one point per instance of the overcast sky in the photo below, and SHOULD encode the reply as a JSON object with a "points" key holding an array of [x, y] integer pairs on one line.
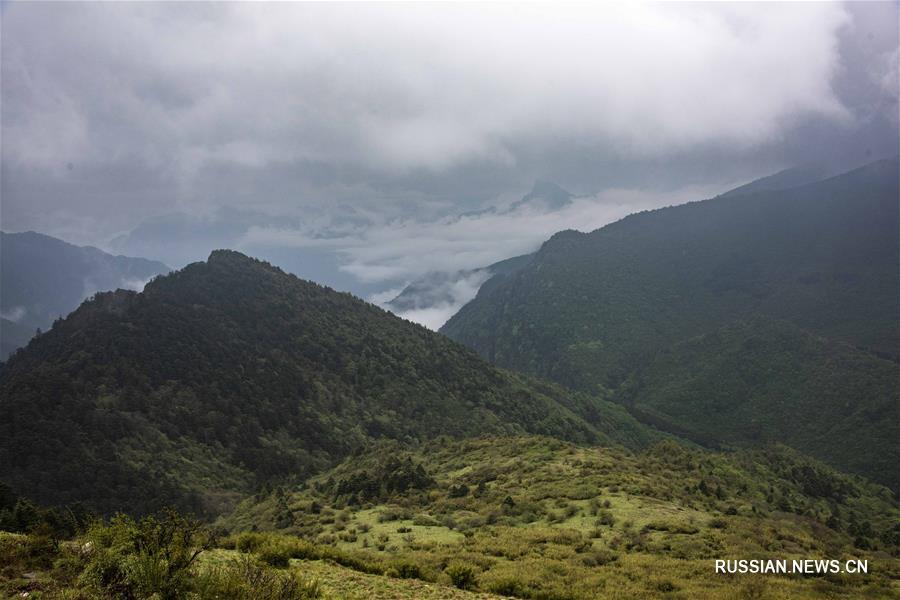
{"points": [[358, 134]]}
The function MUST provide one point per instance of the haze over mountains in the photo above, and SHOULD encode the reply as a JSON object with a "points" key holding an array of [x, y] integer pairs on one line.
{"points": [[43, 278], [379, 255], [620, 309]]}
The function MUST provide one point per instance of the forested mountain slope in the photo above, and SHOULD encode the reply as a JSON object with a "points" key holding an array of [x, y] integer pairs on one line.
{"points": [[590, 310], [231, 372], [761, 380]]}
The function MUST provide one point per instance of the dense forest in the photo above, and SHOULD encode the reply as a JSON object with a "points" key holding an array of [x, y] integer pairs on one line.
{"points": [[607, 310], [231, 373]]}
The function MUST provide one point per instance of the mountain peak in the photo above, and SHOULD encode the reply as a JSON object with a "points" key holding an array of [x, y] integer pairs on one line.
{"points": [[545, 194], [225, 255]]}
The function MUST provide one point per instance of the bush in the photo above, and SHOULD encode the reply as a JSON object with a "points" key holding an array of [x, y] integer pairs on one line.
{"points": [[249, 542], [147, 558], [404, 570], [604, 517], [277, 551], [275, 554], [245, 579], [507, 586], [461, 575]]}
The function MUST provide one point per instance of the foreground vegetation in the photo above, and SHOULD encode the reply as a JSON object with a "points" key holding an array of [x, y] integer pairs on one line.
{"points": [[169, 557], [527, 517], [539, 518], [155, 557]]}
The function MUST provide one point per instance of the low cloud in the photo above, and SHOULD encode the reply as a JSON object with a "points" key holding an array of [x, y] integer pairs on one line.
{"points": [[14, 314], [134, 284], [403, 250], [434, 300], [434, 317]]}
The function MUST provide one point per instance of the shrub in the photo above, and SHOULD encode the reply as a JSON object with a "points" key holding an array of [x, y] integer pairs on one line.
{"points": [[604, 517], [426, 520], [249, 542], [147, 558], [246, 579], [508, 586], [406, 570], [461, 575], [275, 554], [277, 551]]}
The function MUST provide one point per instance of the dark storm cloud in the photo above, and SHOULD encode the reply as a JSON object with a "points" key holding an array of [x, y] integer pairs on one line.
{"points": [[372, 125]]}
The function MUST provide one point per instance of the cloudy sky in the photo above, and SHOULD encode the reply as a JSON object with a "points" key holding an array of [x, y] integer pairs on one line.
{"points": [[367, 145]]}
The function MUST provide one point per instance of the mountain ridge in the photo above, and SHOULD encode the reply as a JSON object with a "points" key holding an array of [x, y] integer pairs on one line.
{"points": [[230, 373], [592, 308], [43, 278]]}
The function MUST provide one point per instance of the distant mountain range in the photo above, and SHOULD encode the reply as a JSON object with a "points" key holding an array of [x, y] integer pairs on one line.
{"points": [[788, 178], [439, 295], [762, 315], [230, 373], [436, 297], [43, 278]]}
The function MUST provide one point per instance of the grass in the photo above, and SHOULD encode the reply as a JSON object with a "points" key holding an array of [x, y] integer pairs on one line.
{"points": [[525, 517], [546, 519], [341, 582]]}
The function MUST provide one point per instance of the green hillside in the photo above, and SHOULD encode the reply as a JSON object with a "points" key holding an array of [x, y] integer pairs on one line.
{"points": [[590, 310], [528, 517], [760, 380], [541, 518], [231, 373]]}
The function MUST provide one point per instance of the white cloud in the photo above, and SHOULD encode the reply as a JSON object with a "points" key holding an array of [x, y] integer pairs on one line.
{"points": [[433, 317], [405, 249], [134, 283], [399, 87], [457, 291], [15, 314]]}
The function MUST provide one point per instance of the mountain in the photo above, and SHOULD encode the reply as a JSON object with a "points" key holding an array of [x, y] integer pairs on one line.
{"points": [[438, 295], [761, 380], [591, 310], [784, 180], [43, 278], [544, 195], [435, 297], [230, 373], [444, 292], [180, 239], [13, 335]]}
